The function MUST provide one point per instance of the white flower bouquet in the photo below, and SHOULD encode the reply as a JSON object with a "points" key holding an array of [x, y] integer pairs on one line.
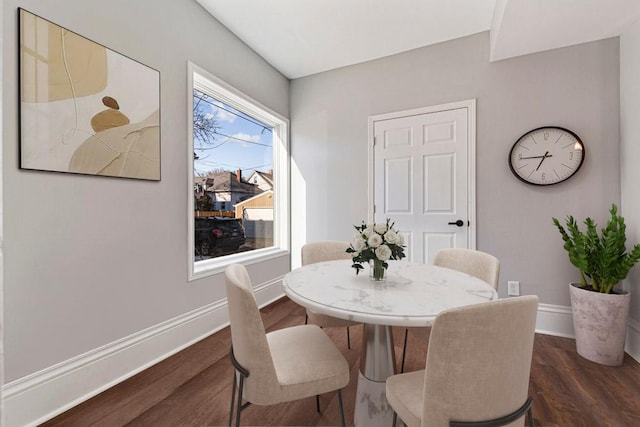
{"points": [[376, 244]]}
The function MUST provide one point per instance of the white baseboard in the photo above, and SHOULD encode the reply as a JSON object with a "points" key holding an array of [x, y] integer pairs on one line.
{"points": [[554, 320], [40, 396], [632, 346]]}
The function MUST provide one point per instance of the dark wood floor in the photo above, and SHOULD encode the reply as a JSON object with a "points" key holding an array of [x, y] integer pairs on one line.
{"points": [[193, 387]]}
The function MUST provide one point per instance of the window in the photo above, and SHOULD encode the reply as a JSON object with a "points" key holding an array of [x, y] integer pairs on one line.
{"points": [[232, 139]]}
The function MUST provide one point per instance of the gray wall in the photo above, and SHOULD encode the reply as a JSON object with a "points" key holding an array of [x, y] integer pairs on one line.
{"points": [[1, 230], [575, 87], [630, 146], [89, 260]]}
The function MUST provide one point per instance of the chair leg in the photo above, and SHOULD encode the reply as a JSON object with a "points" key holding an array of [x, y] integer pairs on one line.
{"points": [[239, 400], [342, 423], [348, 339], [306, 319], [239, 370], [404, 349], [233, 398], [318, 403], [530, 416], [395, 419]]}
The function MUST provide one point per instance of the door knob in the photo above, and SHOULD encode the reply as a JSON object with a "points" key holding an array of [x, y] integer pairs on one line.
{"points": [[459, 223]]}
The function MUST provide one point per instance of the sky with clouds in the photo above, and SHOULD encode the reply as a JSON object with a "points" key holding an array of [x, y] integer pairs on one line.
{"points": [[241, 142]]}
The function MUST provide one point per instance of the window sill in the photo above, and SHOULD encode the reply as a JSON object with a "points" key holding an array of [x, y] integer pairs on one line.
{"points": [[216, 266]]}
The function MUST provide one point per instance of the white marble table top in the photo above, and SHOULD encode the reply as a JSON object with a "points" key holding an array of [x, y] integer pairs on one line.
{"points": [[411, 295]]}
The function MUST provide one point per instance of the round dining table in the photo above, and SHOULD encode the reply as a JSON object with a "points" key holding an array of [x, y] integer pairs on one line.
{"points": [[411, 294]]}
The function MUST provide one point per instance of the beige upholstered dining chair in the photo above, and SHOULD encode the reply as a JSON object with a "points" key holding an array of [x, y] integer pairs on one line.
{"points": [[283, 365], [477, 368], [476, 263], [326, 251]]}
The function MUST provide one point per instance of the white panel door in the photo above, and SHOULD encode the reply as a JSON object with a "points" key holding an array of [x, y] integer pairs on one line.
{"points": [[421, 172]]}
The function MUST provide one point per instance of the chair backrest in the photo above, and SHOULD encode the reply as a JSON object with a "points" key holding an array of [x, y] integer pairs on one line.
{"points": [[476, 263], [479, 361], [324, 251], [248, 336]]}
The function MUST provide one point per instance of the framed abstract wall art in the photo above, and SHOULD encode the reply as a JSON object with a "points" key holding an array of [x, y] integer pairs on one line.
{"points": [[84, 108]]}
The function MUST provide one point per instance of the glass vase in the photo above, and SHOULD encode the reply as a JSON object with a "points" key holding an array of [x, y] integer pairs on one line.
{"points": [[377, 270]]}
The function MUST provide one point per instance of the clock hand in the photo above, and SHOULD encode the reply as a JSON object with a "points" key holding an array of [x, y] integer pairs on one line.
{"points": [[546, 154], [531, 157]]}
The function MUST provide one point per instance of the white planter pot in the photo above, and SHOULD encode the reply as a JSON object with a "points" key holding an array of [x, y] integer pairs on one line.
{"points": [[600, 324]]}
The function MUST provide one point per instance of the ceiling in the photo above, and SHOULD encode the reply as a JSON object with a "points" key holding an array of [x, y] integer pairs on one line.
{"points": [[303, 37]]}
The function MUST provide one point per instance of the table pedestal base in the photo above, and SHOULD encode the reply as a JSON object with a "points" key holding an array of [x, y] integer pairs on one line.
{"points": [[377, 363], [372, 408]]}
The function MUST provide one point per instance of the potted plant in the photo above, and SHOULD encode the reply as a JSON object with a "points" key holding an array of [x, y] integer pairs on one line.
{"points": [[600, 310]]}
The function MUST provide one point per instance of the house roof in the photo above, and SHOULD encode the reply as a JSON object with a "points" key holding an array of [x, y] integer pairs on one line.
{"points": [[268, 177], [225, 182]]}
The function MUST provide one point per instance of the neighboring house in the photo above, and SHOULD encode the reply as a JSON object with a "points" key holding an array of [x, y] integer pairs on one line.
{"points": [[200, 185], [225, 189], [257, 208], [263, 180], [257, 217]]}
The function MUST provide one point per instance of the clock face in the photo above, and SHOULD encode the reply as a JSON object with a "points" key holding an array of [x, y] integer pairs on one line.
{"points": [[546, 156]]}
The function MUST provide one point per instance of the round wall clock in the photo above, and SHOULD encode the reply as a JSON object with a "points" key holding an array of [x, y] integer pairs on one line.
{"points": [[546, 156]]}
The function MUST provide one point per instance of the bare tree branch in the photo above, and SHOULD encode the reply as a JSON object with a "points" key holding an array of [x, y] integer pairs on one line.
{"points": [[205, 123]]}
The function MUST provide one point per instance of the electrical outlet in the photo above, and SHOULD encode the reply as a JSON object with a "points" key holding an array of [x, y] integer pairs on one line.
{"points": [[513, 288]]}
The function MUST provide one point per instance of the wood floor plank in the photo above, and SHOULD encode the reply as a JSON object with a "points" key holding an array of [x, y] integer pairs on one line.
{"points": [[193, 387]]}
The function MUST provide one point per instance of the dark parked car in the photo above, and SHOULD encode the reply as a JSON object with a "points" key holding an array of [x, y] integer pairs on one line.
{"points": [[218, 233]]}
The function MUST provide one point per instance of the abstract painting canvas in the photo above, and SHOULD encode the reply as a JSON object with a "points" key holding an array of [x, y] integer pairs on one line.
{"points": [[84, 108]]}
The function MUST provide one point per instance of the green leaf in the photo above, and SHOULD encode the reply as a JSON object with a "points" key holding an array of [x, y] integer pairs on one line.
{"points": [[601, 257]]}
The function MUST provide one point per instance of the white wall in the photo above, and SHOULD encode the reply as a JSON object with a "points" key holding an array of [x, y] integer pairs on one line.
{"points": [[90, 260], [574, 87], [1, 225], [630, 151]]}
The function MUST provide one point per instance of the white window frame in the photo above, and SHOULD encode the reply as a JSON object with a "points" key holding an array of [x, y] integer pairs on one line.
{"points": [[201, 79]]}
